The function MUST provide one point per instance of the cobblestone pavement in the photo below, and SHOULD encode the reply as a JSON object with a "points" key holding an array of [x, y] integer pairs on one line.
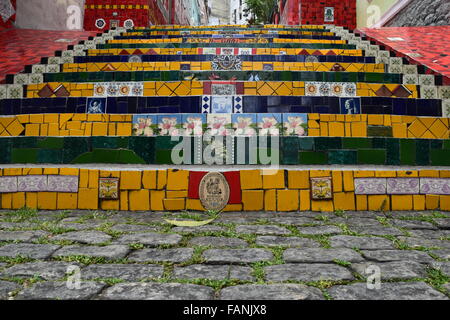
{"points": [[295, 256]]}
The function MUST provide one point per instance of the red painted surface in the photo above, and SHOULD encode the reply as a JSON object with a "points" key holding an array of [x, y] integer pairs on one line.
{"points": [[10, 23], [294, 12], [22, 47], [141, 16], [431, 43], [233, 179]]}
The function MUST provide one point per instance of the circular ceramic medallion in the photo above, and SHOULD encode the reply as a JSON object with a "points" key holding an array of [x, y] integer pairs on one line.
{"points": [[214, 191], [100, 23], [135, 59], [128, 24]]}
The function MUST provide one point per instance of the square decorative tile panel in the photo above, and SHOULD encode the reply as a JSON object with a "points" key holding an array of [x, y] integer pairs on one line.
{"points": [[410, 79], [108, 188], [435, 186], [8, 184], [219, 124], [444, 92], [329, 14], [321, 188], [206, 104], [428, 92], [145, 125], [270, 124], [193, 124], [96, 105], [170, 125], [63, 183], [350, 105], [403, 185], [32, 183], [210, 51], [370, 186], [15, 91], [426, 80], [446, 108], [222, 104], [244, 124], [295, 124], [226, 63], [223, 89], [119, 89]]}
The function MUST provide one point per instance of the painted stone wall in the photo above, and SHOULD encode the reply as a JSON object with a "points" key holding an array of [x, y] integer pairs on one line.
{"points": [[423, 13], [50, 14]]}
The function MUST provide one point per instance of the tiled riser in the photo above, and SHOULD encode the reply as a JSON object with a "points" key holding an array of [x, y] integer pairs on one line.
{"points": [[250, 190], [275, 124], [251, 104], [319, 46], [202, 58], [293, 150]]}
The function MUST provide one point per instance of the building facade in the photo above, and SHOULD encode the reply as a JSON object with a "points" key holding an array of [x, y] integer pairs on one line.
{"points": [[237, 14], [219, 12], [336, 12]]}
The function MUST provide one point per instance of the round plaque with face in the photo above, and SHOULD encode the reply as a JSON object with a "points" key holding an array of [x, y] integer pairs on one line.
{"points": [[214, 191]]}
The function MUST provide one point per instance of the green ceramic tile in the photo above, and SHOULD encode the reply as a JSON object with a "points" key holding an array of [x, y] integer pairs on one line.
{"points": [[446, 144], [327, 143], [75, 146], [51, 143], [422, 152], [24, 155], [163, 156], [356, 143], [290, 148], [440, 157], [393, 152], [407, 152], [129, 157], [379, 131], [25, 142], [49, 156], [437, 144], [144, 147], [306, 144], [342, 157], [372, 156], [378, 143], [5, 147], [313, 157]]}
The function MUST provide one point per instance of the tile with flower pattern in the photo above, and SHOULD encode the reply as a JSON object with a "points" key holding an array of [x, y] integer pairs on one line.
{"points": [[270, 124], [193, 124], [244, 124], [145, 125], [295, 124], [170, 125]]}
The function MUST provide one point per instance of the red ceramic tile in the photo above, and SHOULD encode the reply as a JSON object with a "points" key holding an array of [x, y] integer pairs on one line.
{"points": [[233, 179], [20, 47], [429, 46]]}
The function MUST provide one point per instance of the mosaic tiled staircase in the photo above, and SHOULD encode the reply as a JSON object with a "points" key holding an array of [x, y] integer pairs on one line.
{"points": [[323, 95]]}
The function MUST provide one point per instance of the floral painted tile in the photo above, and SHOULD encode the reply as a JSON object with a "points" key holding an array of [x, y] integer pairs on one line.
{"points": [[244, 124], [270, 124], [370, 186], [321, 188], [435, 186], [219, 125], [145, 125], [295, 124], [403, 185], [8, 184], [193, 124], [108, 188], [170, 125], [63, 183], [32, 183]]}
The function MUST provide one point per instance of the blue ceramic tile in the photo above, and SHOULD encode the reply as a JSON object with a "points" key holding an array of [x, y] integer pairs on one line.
{"points": [[350, 105]]}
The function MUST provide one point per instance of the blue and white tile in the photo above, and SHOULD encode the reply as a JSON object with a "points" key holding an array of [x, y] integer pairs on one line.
{"points": [[350, 105], [222, 104], [238, 104], [206, 104], [403, 185], [96, 105], [370, 185]]}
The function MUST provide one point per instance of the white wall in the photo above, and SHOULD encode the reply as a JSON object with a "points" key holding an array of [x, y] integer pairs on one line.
{"points": [[237, 12], [50, 14], [220, 12]]}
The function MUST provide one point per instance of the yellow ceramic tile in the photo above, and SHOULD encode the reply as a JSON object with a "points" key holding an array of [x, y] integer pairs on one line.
{"points": [[47, 200], [130, 180], [402, 202], [253, 200], [270, 200], [66, 201], [287, 200], [177, 179], [250, 179], [174, 204], [139, 200], [298, 179], [344, 201], [88, 198]]}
